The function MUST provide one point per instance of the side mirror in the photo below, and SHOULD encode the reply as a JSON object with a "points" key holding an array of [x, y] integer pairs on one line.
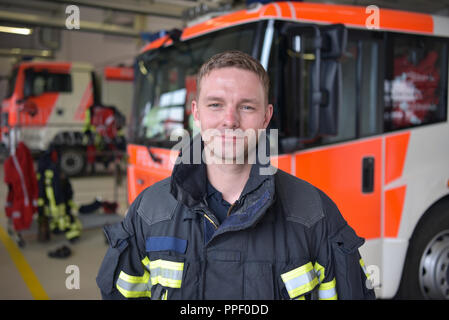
{"points": [[334, 45], [28, 106], [323, 85], [297, 36]]}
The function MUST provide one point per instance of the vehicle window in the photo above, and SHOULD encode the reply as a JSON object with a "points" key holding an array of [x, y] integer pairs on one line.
{"points": [[166, 82], [42, 82], [416, 81], [38, 85], [369, 96], [347, 115], [58, 82], [360, 113]]}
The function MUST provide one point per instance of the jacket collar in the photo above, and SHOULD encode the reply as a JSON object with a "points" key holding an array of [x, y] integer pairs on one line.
{"points": [[189, 180]]}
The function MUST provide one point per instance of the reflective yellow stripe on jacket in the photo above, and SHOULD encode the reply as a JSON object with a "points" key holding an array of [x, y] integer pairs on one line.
{"points": [[327, 290], [300, 280], [305, 278], [362, 264], [163, 272], [166, 273], [135, 286]]}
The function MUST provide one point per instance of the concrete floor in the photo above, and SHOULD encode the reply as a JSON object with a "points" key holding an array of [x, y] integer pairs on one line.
{"points": [[28, 273]]}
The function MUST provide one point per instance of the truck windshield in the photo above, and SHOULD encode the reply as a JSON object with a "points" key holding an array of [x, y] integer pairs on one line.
{"points": [[165, 83]]}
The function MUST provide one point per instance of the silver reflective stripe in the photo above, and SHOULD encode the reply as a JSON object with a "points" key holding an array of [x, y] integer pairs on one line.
{"points": [[166, 273], [327, 290], [135, 287], [327, 294], [300, 281]]}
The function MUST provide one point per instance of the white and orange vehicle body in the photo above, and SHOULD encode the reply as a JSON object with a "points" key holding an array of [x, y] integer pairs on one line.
{"points": [[410, 165], [47, 102], [42, 116]]}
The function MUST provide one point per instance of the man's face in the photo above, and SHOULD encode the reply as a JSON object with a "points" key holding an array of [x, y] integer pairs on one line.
{"points": [[229, 111]]}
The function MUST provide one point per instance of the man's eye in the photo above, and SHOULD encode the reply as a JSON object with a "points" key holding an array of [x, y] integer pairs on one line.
{"points": [[214, 105], [247, 107]]}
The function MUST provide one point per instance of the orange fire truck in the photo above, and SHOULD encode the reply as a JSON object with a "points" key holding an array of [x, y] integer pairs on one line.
{"points": [[47, 101], [361, 112]]}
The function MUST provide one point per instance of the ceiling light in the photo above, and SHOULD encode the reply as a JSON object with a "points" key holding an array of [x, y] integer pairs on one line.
{"points": [[24, 31]]}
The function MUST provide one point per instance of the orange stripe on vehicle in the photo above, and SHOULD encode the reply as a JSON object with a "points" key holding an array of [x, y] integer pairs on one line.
{"points": [[86, 101], [394, 204], [285, 10], [313, 12], [337, 170], [270, 10], [225, 21], [119, 73], [143, 171], [406, 21], [132, 193], [283, 162], [156, 43], [57, 67], [395, 152], [357, 16]]}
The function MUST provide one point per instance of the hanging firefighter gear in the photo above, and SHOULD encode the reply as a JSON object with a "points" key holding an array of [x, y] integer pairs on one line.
{"points": [[20, 176], [103, 130], [56, 197]]}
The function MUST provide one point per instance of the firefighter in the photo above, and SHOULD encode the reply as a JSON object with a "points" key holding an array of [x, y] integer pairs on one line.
{"points": [[56, 198], [240, 230]]}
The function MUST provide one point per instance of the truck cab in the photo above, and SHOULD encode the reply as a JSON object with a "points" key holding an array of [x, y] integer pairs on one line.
{"points": [[47, 101]]}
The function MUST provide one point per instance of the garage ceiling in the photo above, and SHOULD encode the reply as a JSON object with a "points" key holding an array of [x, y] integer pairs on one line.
{"points": [[130, 17], [121, 14]]}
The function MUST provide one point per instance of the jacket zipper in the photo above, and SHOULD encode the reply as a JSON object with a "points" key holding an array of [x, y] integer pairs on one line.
{"points": [[231, 207], [211, 221]]}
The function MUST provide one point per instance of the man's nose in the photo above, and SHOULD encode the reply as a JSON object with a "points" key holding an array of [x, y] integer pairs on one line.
{"points": [[231, 118]]}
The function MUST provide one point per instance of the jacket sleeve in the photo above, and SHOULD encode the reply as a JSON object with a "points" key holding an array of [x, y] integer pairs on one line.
{"points": [[122, 273], [339, 265]]}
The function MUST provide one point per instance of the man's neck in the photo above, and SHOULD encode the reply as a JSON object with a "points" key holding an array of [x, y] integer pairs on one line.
{"points": [[229, 179]]}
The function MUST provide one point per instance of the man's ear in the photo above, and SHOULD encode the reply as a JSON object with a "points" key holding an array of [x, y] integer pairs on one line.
{"points": [[268, 115], [196, 114]]}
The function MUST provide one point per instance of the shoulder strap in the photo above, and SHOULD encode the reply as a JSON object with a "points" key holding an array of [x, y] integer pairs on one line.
{"points": [[157, 203], [300, 200]]}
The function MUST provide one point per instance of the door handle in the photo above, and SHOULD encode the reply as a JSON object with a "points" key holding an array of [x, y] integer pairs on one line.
{"points": [[368, 174]]}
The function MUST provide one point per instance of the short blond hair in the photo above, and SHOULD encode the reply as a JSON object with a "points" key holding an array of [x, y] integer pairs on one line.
{"points": [[234, 59]]}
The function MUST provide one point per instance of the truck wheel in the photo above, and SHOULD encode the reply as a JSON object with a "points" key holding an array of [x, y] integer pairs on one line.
{"points": [[73, 161], [426, 269]]}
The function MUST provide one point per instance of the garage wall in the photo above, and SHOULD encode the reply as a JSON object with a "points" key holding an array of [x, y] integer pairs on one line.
{"points": [[76, 45]]}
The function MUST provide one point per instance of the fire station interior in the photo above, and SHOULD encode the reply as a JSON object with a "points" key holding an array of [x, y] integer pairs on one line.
{"points": [[56, 251]]}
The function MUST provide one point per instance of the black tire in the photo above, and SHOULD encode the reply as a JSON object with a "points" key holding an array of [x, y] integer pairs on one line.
{"points": [[426, 269], [73, 161]]}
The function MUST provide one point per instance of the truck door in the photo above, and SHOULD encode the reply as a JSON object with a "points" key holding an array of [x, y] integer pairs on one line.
{"points": [[331, 117]]}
